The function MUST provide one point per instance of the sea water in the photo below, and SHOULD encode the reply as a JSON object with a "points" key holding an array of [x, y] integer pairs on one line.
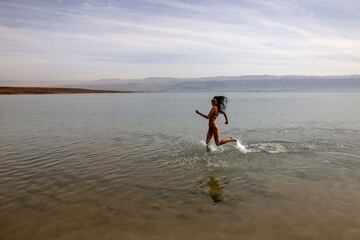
{"points": [[135, 166]]}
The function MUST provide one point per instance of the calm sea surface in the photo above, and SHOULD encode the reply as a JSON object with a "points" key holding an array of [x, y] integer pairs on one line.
{"points": [[134, 166]]}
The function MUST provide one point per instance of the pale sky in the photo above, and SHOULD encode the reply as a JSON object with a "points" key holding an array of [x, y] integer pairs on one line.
{"points": [[64, 40]]}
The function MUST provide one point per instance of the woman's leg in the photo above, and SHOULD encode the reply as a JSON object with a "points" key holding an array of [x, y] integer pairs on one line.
{"points": [[208, 138], [222, 141]]}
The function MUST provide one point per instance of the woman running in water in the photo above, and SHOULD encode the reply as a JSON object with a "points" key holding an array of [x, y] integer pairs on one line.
{"points": [[218, 106]]}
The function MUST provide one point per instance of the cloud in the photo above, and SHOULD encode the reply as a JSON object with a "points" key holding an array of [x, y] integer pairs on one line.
{"points": [[66, 40]]}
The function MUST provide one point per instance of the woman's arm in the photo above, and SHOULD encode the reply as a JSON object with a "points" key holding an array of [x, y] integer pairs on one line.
{"points": [[226, 118], [204, 115]]}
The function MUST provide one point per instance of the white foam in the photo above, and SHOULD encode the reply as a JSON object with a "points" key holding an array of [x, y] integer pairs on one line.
{"points": [[269, 147], [240, 147], [212, 147]]}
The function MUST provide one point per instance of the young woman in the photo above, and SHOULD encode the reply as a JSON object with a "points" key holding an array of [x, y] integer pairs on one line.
{"points": [[218, 106]]}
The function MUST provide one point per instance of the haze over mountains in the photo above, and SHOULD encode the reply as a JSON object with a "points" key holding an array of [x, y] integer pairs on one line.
{"points": [[251, 83]]}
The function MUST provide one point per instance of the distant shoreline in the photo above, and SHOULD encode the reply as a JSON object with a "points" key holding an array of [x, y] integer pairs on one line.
{"points": [[51, 90]]}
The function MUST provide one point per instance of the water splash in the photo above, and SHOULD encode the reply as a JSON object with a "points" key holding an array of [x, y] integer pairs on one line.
{"points": [[258, 147], [240, 147], [212, 148], [269, 147]]}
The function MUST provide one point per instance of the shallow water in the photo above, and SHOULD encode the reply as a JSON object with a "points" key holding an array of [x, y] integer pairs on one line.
{"points": [[134, 166]]}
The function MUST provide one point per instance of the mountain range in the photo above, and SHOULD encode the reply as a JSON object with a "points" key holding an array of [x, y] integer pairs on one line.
{"points": [[251, 83]]}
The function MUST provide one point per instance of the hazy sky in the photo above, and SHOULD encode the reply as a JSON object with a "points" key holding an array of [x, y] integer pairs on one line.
{"points": [[60, 40]]}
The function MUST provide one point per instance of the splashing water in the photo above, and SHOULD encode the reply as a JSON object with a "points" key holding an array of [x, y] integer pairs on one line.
{"points": [[267, 147], [240, 147], [212, 148]]}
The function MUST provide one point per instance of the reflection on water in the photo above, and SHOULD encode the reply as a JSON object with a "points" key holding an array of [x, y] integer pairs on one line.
{"points": [[216, 191], [214, 187], [79, 168]]}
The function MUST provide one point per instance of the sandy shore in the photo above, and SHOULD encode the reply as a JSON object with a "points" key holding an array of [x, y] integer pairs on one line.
{"points": [[50, 90]]}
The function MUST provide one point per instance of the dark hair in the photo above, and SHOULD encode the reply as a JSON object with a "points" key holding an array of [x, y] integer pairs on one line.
{"points": [[221, 102]]}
